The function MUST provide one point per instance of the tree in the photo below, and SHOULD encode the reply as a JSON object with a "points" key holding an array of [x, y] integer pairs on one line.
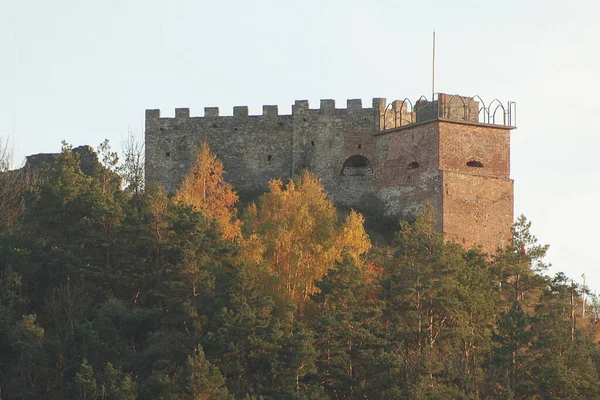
{"points": [[563, 366], [6, 155], [348, 330], [29, 370], [75, 215], [199, 380], [435, 313], [115, 384], [294, 233], [84, 384], [108, 161], [243, 338], [132, 168], [205, 189], [520, 264], [512, 361], [420, 281], [294, 362], [13, 186]]}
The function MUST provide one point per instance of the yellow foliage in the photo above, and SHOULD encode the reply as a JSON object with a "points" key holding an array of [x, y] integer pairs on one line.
{"points": [[295, 232], [205, 189], [353, 235]]}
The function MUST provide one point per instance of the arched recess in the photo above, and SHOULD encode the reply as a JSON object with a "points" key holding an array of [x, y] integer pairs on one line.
{"points": [[357, 165], [475, 163]]}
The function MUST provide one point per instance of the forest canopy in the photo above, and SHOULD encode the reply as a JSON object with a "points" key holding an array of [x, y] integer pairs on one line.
{"points": [[122, 293]]}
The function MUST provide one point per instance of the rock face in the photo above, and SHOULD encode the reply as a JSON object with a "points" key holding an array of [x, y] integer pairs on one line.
{"points": [[452, 153], [87, 157]]}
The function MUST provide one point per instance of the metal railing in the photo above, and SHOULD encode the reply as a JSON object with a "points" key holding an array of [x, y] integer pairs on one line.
{"points": [[453, 107]]}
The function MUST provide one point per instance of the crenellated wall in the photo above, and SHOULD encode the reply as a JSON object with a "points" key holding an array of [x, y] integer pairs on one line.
{"points": [[389, 158], [257, 148], [253, 148], [326, 137]]}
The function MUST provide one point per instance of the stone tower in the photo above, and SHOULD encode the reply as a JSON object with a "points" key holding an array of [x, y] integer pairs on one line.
{"points": [[452, 153]]}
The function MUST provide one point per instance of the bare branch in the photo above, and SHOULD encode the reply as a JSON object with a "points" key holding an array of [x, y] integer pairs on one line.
{"points": [[132, 168]]}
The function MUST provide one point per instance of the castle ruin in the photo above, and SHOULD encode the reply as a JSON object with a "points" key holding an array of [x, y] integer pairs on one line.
{"points": [[452, 152]]}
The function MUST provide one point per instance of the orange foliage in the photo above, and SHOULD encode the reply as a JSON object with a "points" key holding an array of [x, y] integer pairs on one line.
{"points": [[294, 233], [205, 189]]}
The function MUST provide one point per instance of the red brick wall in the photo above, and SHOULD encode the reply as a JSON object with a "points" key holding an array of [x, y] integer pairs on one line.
{"points": [[461, 143], [477, 210], [474, 205]]}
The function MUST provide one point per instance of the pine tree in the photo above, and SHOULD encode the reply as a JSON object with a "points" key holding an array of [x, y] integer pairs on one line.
{"points": [[421, 292], [347, 329], [512, 361], [199, 380], [84, 385], [115, 385], [564, 365], [520, 264], [29, 370]]}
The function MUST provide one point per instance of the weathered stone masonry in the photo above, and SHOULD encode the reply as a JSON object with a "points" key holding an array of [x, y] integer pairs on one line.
{"points": [[388, 160]]}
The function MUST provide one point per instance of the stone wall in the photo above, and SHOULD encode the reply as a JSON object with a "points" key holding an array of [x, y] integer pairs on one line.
{"points": [[325, 138], [408, 169], [254, 149], [449, 107], [257, 148], [87, 157]]}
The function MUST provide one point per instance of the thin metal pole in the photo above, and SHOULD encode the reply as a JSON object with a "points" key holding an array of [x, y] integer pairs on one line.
{"points": [[583, 296], [433, 69], [15, 76]]}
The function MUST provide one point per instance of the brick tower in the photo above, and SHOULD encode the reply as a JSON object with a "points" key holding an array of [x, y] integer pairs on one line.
{"points": [[454, 154]]}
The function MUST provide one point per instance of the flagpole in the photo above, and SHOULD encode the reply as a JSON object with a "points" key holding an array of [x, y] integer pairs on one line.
{"points": [[433, 69], [583, 296]]}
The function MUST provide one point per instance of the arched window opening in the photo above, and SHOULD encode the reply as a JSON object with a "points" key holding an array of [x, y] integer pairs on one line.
{"points": [[357, 166], [475, 163], [413, 165]]}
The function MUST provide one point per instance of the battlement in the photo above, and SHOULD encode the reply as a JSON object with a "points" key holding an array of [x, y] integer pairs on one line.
{"points": [[469, 109], [396, 114], [352, 105]]}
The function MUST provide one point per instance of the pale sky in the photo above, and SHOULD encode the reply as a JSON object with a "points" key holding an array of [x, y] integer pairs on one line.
{"points": [[83, 71]]}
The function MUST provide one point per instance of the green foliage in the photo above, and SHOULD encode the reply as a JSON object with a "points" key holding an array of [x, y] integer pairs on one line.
{"points": [[84, 385], [511, 355], [122, 294], [347, 328], [199, 380], [520, 265], [115, 384]]}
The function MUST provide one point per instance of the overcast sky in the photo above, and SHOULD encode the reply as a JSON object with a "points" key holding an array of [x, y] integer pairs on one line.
{"points": [[84, 70]]}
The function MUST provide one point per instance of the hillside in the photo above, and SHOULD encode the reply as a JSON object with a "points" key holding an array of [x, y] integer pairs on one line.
{"points": [[112, 293]]}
